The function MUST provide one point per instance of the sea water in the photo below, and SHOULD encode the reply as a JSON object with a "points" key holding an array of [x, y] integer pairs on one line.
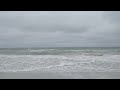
{"points": [[68, 61]]}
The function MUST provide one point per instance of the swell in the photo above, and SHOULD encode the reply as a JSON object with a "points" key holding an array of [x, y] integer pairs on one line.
{"points": [[65, 52], [86, 52]]}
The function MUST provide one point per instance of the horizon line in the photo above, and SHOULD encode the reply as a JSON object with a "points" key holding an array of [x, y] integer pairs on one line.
{"points": [[59, 47]]}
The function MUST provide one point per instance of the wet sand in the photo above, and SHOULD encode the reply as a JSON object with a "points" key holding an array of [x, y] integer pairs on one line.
{"points": [[31, 75], [48, 75]]}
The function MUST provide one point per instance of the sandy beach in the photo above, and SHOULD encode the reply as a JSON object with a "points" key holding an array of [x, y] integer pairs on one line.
{"points": [[31, 75], [49, 75]]}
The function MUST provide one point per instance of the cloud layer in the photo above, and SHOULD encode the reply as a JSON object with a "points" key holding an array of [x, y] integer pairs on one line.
{"points": [[59, 29]]}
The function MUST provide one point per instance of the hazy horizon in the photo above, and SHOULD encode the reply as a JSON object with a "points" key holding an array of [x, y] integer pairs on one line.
{"points": [[57, 47]]}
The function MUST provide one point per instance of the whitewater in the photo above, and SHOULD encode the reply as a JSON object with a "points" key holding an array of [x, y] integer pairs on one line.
{"points": [[66, 61]]}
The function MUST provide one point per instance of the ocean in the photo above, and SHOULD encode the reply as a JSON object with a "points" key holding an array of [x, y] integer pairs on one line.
{"points": [[67, 61]]}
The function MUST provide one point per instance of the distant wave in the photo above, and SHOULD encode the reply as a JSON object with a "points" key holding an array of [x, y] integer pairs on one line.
{"points": [[94, 54], [57, 51], [64, 52]]}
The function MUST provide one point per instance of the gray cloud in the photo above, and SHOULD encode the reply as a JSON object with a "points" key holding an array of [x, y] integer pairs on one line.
{"points": [[62, 28], [43, 21], [113, 16]]}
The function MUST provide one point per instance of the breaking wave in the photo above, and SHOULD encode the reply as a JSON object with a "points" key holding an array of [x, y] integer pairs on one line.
{"points": [[60, 60], [57, 63]]}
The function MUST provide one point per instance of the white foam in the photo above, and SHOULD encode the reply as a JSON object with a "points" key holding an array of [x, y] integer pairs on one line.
{"points": [[57, 63]]}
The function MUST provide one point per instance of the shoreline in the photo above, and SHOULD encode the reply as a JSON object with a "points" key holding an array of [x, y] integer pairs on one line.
{"points": [[60, 75], [31, 75]]}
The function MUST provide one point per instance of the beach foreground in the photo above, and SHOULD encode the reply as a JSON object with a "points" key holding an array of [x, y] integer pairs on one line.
{"points": [[49, 75], [31, 75]]}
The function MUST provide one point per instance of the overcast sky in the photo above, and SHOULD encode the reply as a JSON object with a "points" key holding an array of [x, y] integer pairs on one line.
{"points": [[59, 29]]}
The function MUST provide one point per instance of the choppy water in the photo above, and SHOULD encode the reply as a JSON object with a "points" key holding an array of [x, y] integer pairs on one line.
{"points": [[60, 60]]}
